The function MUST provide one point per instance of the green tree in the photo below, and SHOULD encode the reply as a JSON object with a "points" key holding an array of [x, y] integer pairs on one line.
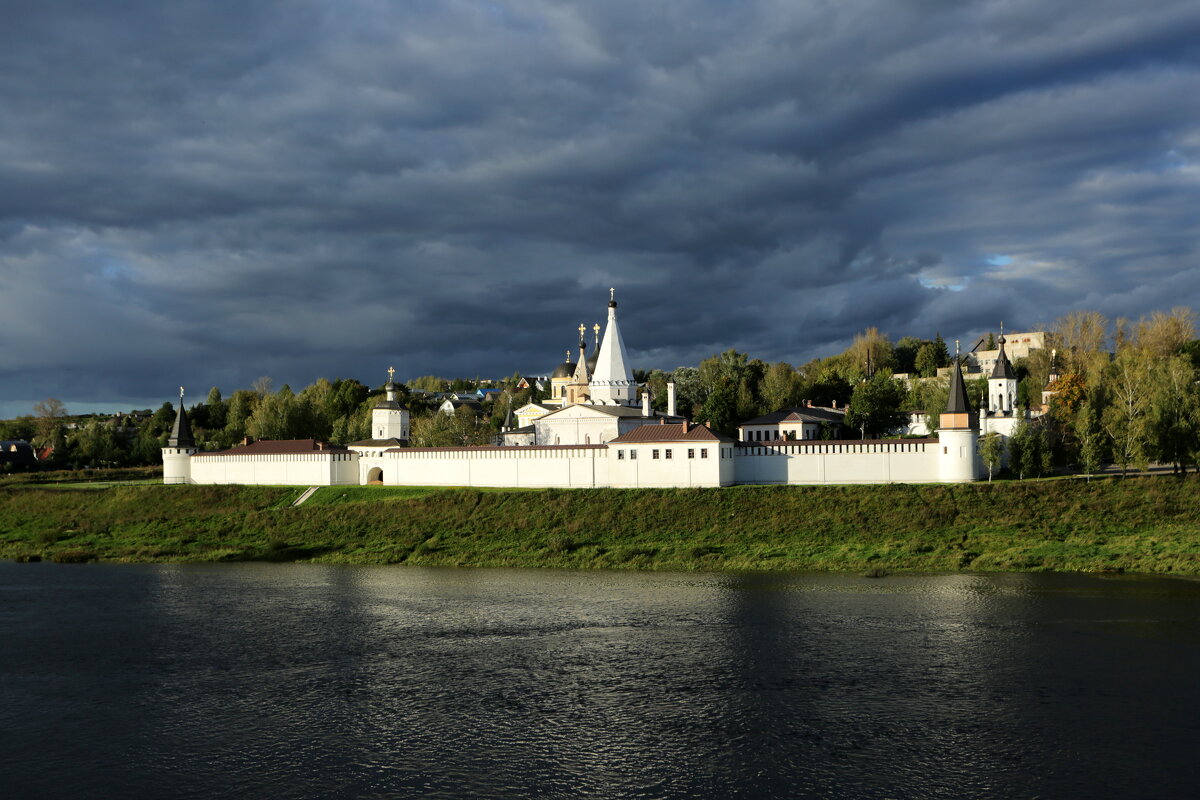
{"points": [[780, 386], [1126, 420], [720, 409], [943, 355], [49, 415], [1174, 414], [991, 449], [875, 406], [1090, 438], [925, 363]]}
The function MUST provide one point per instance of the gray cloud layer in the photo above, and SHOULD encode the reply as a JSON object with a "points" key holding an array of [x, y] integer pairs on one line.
{"points": [[200, 192]]}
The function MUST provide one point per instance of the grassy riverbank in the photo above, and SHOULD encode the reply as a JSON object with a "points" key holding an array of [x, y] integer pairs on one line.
{"points": [[1147, 525]]}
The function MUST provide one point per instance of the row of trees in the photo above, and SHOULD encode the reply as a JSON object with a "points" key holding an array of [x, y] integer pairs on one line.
{"points": [[1127, 392]]}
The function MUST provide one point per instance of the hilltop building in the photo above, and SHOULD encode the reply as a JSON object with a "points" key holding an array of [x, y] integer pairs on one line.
{"points": [[599, 435]]}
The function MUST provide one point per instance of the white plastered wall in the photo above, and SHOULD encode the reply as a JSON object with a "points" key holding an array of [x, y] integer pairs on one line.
{"points": [[839, 462], [516, 467], [295, 469]]}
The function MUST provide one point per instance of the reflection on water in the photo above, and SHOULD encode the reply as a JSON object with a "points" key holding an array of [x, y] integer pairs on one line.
{"points": [[315, 681]]}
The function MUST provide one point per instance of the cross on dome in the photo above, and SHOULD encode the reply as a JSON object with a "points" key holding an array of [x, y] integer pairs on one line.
{"points": [[391, 373]]}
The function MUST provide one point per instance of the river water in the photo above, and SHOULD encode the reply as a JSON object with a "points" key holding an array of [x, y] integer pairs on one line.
{"points": [[305, 681]]}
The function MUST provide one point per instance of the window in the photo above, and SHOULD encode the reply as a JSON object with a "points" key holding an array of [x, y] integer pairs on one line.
{"points": [[654, 454], [668, 453], [620, 455], [633, 455], [704, 452], [691, 453]]}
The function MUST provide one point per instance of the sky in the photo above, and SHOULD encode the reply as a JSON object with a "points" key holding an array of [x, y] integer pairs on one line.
{"points": [[201, 193]]}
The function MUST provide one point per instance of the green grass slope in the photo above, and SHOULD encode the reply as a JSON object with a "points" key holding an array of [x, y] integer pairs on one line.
{"points": [[1149, 525]]}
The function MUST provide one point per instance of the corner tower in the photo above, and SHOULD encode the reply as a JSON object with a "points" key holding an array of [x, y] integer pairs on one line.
{"points": [[389, 419], [181, 446], [958, 433], [612, 383]]}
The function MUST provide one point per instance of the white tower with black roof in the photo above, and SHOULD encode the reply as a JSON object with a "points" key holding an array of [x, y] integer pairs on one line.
{"points": [[181, 446], [1002, 384]]}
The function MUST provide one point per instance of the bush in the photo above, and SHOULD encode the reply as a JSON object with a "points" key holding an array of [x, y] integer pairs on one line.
{"points": [[76, 556]]}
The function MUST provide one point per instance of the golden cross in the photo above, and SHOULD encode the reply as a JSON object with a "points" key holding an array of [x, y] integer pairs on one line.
{"points": [[391, 372], [612, 295], [596, 330], [582, 328]]}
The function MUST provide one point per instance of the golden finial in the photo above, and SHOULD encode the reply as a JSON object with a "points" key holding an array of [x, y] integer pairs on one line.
{"points": [[582, 330], [391, 373]]}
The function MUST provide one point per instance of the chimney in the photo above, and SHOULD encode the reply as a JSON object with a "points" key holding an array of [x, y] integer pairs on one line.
{"points": [[662, 420], [646, 402], [671, 398], [835, 403], [248, 441], [685, 427]]}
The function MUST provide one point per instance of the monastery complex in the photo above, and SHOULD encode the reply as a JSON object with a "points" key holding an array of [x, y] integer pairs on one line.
{"points": [[594, 432]]}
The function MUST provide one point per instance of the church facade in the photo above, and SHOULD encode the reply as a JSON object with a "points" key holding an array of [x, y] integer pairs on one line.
{"points": [[596, 435]]}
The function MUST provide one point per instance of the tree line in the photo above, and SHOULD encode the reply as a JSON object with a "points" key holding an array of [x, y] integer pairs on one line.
{"points": [[1126, 392]]}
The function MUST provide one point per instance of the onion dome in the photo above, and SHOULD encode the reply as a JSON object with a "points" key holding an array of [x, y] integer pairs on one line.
{"points": [[566, 369]]}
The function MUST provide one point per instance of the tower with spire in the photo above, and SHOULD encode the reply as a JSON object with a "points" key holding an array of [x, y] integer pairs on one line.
{"points": [[958, 432], [1002, 384], [181, 446], [578, 390], [612, 383]]}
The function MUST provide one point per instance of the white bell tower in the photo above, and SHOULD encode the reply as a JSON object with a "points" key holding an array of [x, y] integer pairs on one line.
{"points": [[389, 419]]}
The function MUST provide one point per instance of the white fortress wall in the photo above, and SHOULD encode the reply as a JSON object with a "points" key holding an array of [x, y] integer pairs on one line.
{"points": [[568, 466], [298, 469], [884, 461], [709, 464]]}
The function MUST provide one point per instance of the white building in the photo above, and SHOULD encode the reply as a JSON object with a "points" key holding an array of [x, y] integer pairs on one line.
{"points": [[794, 423], [600, 437]]}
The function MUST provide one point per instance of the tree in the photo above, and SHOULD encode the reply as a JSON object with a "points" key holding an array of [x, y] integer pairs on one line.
{"points": [[870, 353], [720, 409], [690, 393], [780, 386], [1163, 335], [1174, 416], [1082, 336], [943, 355], [1020, 444], [926, 362], [1090, 437], [49, 415], [991, 448], [905, 353], [262, 385], [1126, 420], [875, 405], [1069, 393]]}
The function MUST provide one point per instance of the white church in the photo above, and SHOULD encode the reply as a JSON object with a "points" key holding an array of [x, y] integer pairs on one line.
{"points": [[595, 433]]}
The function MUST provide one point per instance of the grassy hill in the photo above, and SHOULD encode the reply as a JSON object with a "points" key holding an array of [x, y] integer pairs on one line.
{"points": [[1147, 525]]}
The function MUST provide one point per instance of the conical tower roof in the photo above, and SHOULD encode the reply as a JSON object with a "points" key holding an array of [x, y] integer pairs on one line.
{"points": [[181, 432], [1003, 368], [958, 402]]}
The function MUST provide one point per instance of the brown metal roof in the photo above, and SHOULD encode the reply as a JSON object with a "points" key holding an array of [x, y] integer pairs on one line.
{"points": [[279, 447], [799, 414], [500, 448], [683, 432]]}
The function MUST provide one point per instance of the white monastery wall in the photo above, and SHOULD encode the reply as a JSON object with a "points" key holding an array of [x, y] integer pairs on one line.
{"points": [[516, 467], [678, 464], [912, 461], [301, 469]]}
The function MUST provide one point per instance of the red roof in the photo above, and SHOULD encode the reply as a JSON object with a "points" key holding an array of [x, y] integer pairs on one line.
{"points": [[683, 432], [279, 447]]}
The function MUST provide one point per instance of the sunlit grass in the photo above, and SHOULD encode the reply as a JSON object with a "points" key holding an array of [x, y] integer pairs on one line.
{"points": [[1133, 525]]}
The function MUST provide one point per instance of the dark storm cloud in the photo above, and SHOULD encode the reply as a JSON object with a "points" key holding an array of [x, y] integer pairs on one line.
{"points": [[206, 192]]}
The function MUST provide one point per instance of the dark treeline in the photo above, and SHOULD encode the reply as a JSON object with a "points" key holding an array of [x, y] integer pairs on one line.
{"points": [[1126, 393]]}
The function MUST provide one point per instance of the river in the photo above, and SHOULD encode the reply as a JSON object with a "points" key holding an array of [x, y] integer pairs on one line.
{"points": [[309, 681]]}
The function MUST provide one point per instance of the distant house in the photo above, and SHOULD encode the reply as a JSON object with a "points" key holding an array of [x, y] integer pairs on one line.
{"points": [[450, 405], [487, 395], [17, 452], [798, 423]]}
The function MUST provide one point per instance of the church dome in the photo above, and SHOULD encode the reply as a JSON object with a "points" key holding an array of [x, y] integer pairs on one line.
{"points": [[565, 370]]}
